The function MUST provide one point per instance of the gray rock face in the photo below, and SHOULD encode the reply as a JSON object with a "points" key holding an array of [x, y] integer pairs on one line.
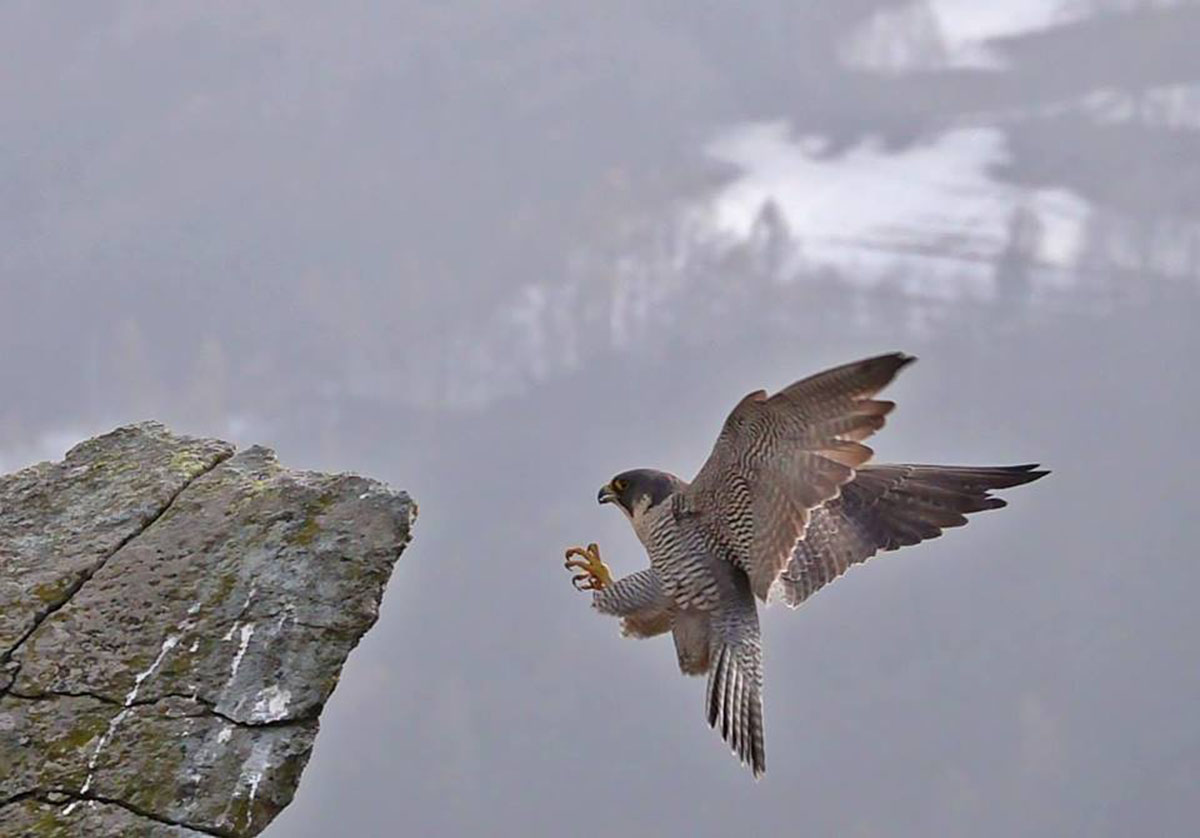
{"points": [[42, 818], [173, 617]]}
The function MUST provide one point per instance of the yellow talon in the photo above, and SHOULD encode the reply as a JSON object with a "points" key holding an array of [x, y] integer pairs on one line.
{"points": [[595, 575]]}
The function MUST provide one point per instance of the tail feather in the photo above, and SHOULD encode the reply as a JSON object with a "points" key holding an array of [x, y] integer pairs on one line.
{"points": [[735, 703]]}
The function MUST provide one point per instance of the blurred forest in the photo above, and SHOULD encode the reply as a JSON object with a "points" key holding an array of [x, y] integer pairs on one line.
{"points": [[515, 187]]}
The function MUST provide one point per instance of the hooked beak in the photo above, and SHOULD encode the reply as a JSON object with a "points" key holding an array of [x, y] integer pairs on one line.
{"points": [[606, 495]]}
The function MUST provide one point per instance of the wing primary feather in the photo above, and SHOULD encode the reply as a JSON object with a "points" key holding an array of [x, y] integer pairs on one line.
{"points": [[886, 507]]}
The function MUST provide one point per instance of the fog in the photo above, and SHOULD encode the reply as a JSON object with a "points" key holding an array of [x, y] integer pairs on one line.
{"points": [[496, 253]]}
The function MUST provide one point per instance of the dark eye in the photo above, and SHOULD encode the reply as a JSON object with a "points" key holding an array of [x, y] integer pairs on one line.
{"points": [[619, 485]]}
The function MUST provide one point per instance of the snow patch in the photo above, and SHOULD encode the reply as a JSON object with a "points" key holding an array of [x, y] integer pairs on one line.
{"points": [[925, 35], [1170, 106], [869, 212]]}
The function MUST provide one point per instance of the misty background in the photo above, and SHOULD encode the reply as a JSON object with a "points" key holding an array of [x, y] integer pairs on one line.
{"points": [[495, 253]]}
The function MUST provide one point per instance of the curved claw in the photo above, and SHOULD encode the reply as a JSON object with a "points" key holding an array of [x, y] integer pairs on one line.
{"points": [[595, 575]]}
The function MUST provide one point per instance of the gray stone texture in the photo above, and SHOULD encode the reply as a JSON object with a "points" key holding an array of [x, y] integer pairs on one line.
{"points": [[48, 818], [173, 617]]}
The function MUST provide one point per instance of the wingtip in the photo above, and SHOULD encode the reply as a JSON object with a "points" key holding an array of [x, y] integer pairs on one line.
{"points": [[882, 368], [900, 359], [1029, 472]]}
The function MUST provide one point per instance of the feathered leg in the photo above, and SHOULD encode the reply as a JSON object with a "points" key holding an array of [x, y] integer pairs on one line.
{"points": [[638, 599]]}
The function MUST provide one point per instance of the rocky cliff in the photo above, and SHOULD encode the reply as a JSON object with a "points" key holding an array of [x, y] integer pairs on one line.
{"points": [[173, 617]]}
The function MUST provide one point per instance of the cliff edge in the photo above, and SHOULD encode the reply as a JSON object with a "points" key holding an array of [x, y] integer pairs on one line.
{"points": [[173, 617]]}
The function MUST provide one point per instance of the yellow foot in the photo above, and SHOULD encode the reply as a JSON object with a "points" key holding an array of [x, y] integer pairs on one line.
{"points": [[595, 575]]}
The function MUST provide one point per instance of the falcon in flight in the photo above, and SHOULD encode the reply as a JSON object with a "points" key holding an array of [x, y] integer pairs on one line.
{"points": [[785, 503]]}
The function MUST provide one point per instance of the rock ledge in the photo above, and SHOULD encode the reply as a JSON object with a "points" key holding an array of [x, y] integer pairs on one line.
{"points": [[173, 618]]}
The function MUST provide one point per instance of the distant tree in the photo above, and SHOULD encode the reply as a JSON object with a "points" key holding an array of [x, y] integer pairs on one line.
{"points": [[136, 385], [770, 242], [208, 388], [1018, 257]]}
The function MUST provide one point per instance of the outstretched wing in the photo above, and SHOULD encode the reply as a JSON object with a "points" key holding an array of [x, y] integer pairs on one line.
{"points": [[887, 507], [777, 458]]}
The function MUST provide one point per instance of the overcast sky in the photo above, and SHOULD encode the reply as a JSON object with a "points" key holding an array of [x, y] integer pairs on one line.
{"points": [[495, 255]]}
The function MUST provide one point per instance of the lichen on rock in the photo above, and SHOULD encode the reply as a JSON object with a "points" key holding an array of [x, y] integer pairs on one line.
{"points": [[173, 618]]}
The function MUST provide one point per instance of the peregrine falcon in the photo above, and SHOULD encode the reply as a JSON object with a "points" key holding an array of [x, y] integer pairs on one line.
{"points": [[785, 503]]}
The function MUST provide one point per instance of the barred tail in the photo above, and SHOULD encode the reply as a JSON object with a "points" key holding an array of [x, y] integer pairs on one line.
{"points": [[735, 708]]}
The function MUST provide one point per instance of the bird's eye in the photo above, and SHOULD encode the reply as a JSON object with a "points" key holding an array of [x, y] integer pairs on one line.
{"points": [[619, 485]]}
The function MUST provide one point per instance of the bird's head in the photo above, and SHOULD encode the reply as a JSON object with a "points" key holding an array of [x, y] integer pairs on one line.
{"points": [[638, 490]]}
